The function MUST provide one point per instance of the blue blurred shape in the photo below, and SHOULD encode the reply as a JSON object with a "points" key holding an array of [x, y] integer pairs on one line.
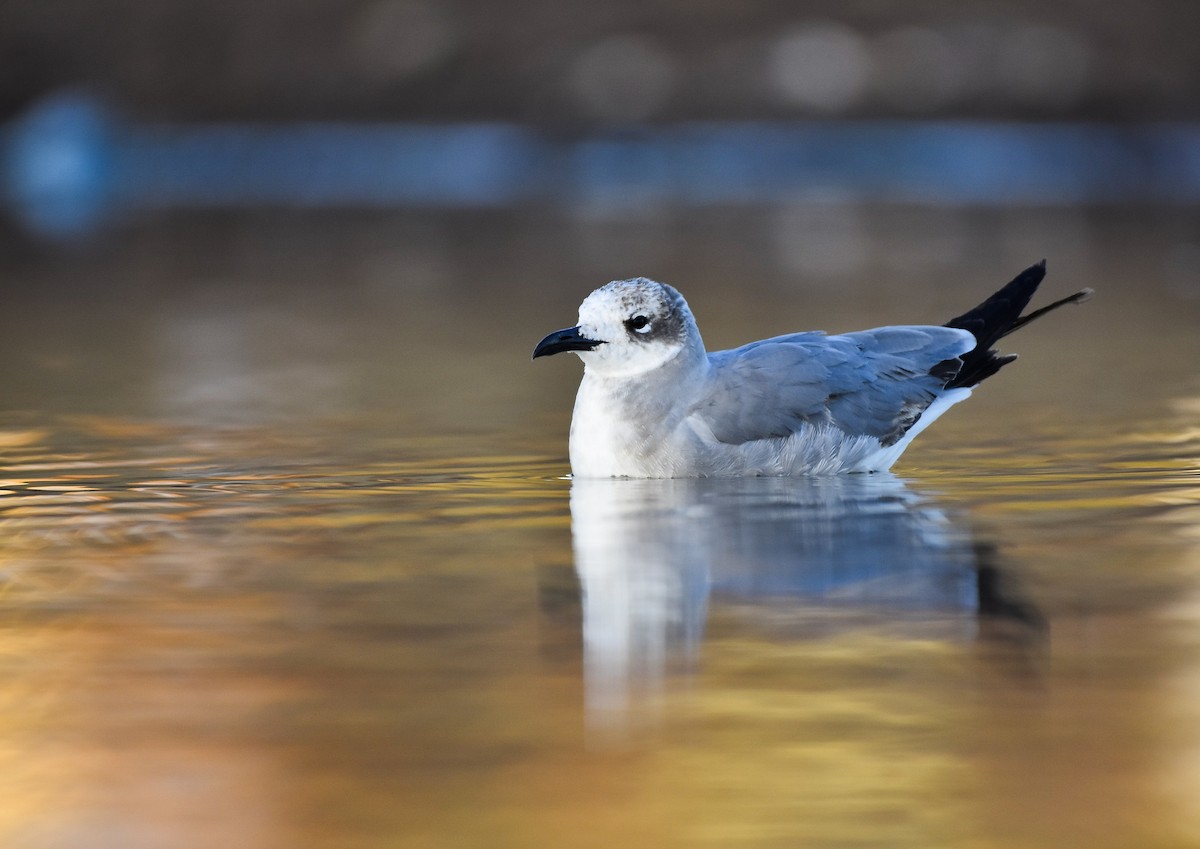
{"points": [[332, 165], [941, 163], [58, 168], [1178, 147], [69, 164]]}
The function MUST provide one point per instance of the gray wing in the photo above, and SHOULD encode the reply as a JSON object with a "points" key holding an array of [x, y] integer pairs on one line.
{"points": [[876, 382]]}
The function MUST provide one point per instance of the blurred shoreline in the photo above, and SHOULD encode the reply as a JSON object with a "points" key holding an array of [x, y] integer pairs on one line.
{"points": [[71, 165]]}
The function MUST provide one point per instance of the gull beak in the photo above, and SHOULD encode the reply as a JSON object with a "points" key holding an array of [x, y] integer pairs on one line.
{"points": [[565, 340]]}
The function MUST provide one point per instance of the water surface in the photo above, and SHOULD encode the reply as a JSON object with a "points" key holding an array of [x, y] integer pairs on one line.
{"points": [[287, 565]]}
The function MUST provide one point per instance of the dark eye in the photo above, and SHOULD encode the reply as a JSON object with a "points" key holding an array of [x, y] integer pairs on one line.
{"points": [[638, 323]]}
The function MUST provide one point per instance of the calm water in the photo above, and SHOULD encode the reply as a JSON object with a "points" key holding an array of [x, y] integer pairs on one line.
{"points": [[289, 563]]}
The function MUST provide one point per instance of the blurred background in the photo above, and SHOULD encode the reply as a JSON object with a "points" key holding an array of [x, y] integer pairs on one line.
{"points": [[208, 205], [574, 67]]}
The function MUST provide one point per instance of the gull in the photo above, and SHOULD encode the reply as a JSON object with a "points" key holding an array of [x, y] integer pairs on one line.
{"points": [[653, 403]]}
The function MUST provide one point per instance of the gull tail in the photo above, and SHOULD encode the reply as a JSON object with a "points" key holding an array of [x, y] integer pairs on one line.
{"points": [[997, 317]]}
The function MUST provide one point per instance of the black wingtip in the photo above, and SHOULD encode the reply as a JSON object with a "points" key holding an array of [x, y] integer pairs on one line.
{"points": [[999, 316], [1078, 298], [991, 319]]}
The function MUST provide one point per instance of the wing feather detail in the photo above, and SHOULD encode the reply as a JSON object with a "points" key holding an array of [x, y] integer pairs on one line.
{"points": [[873, 383]]}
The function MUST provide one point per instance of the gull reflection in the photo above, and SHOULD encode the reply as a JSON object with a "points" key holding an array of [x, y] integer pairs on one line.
{"points": [[651, 553]]}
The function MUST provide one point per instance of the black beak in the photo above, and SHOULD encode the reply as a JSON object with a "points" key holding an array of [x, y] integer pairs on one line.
{"points": [[565, 340]]}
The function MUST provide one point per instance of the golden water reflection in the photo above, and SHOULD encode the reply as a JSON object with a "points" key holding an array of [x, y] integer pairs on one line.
{"points": [[651, 554], [384, 647]]}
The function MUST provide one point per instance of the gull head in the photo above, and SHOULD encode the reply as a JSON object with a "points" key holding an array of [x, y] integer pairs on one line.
{"points": [[626, 328]]}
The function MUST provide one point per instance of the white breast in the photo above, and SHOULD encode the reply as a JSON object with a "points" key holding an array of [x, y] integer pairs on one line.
{"points": [[602, 443]]}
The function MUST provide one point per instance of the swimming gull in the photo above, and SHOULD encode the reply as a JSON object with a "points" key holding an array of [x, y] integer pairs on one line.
{"points": [[654, 404]]}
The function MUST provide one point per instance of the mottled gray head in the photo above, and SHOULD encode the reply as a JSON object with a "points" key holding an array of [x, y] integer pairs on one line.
{"points": [[628, 327]]}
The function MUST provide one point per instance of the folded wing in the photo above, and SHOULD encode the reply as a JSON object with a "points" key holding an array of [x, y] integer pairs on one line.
{"points": [[874, 383]]}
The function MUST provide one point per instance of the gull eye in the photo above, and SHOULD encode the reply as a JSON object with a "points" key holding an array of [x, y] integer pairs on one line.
{"points": [[638, 324]]}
